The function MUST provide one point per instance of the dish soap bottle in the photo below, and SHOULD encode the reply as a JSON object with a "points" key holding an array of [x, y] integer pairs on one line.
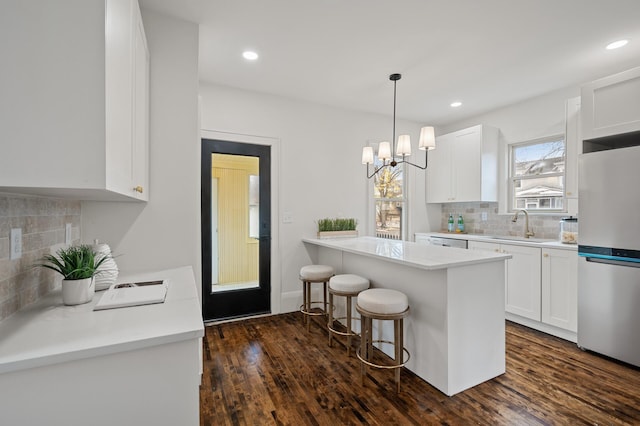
{"points": [[460, 224], [450, 224]]}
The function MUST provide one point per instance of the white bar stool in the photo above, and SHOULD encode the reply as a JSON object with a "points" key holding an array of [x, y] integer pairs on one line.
{"points": [[313, 274], [347, 285], [382, 304]]}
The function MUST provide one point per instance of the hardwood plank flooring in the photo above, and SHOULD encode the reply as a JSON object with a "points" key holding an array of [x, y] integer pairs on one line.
{"points": [[270, 371]]}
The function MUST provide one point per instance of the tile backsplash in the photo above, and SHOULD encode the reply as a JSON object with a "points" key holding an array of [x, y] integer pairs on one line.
{"points": [[544, 226], [42, 221]]}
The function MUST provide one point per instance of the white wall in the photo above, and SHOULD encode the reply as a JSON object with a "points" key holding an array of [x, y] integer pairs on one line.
{"points": [[320, 170], [165, 232]]}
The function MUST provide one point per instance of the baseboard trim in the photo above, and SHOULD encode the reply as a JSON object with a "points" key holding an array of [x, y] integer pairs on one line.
{"points": [[545, 328]]}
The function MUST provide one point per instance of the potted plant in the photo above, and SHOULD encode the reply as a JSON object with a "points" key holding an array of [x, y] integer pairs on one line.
{"points": [[339, 227], [78, 266]]}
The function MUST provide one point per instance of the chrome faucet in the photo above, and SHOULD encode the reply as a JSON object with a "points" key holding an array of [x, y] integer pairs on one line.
{"points": [[527, 232]]}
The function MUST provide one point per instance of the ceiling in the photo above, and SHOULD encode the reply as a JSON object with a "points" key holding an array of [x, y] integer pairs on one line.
{"points": [[483, 53]]}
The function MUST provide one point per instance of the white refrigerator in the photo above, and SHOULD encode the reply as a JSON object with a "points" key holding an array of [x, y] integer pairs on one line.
{"points": [[609, 250]]}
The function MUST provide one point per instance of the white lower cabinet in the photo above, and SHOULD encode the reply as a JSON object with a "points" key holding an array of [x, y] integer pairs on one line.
{"points": [[541, 287], [522, 291], [560, 288]]}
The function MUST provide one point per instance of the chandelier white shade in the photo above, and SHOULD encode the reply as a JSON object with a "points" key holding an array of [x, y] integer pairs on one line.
{"points": [[367, 155], [384, 151], [404, 146], [387, 152], [427, 139]]}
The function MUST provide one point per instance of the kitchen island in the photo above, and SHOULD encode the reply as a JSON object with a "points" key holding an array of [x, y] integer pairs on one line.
{"points": [[455, 331], [136, 365]]}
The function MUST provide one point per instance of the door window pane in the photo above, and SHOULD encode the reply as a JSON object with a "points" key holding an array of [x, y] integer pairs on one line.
{"points": [[235, 211]]}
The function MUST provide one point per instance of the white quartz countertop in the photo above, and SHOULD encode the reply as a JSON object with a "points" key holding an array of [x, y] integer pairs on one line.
{"points": [[520, 241], [49, 332], [409, 253]]}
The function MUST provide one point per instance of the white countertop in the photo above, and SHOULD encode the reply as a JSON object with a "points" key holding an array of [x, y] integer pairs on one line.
{"points": [[520, 241], [49, 332], [409, 253]]}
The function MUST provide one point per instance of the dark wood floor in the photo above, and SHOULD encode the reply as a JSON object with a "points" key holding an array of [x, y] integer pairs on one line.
{"points": [[270, 371]]}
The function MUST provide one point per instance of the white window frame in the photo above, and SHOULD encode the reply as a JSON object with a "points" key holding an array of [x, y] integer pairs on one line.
{"points": [[512, 178]]}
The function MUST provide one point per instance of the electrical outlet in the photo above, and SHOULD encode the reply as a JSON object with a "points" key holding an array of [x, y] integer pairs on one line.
{"points": [[287, 217], [67, 234], [484, 216], [16, 244]]}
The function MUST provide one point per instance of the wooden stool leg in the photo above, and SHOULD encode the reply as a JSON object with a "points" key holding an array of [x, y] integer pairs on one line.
{"points": [[330, 321], [324, 295], [348, 325], [304, 301], [308, 304], [399, 344], [364, 345]]}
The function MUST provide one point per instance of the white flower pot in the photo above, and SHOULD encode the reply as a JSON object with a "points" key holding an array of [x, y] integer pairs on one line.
{"points": [[77, 292]]}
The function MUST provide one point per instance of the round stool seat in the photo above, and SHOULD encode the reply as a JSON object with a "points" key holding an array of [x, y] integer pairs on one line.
{"points": [[316, 272], [348, 283], [383, 301]]}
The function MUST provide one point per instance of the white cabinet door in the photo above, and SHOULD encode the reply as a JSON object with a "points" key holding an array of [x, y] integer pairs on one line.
{"points": [[439, 171], [574, 148], [611, 105], [560, 288], [522, 286], [523, 281], [118, 100], [78, 135], [466, 166], [140, 154], [463, 167]]}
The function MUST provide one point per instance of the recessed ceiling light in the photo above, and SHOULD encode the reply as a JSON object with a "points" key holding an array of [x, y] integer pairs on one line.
{"points": [[455, 104], [617, 44], [249, 55]]}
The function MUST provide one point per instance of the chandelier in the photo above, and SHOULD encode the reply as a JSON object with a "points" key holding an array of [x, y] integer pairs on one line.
{"points": [[388, 153]]}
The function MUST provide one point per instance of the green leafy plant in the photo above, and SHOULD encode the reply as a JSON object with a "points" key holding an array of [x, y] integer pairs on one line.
{"points": [[75, 262], [338, 224]]}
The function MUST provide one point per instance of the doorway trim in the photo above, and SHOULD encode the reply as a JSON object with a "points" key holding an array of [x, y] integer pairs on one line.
{"points": [[274, 143]]}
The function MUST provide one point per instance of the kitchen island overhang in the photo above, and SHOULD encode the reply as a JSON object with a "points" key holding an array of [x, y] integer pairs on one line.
{"points": [[456, 330]]}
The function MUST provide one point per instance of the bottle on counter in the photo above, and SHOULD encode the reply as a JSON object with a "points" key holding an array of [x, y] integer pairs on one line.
{"points": [[460, 224], [450, 224]]}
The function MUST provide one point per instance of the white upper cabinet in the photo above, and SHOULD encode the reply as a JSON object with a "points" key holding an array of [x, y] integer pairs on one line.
{"points": [[611, 105], [75, 100], [464, 166]]}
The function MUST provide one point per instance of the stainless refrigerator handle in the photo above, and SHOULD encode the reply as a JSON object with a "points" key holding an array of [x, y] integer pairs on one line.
{"points": [[613, 262]]}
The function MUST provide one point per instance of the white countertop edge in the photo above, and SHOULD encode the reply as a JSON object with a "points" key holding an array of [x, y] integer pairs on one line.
{"points": [[331, 243], [496, 239], [8, 366]]}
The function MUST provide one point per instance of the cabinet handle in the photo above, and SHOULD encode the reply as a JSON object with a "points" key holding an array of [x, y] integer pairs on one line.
{"points": [[546, 255], [497, 250], [569, 193], [138, 189]]}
